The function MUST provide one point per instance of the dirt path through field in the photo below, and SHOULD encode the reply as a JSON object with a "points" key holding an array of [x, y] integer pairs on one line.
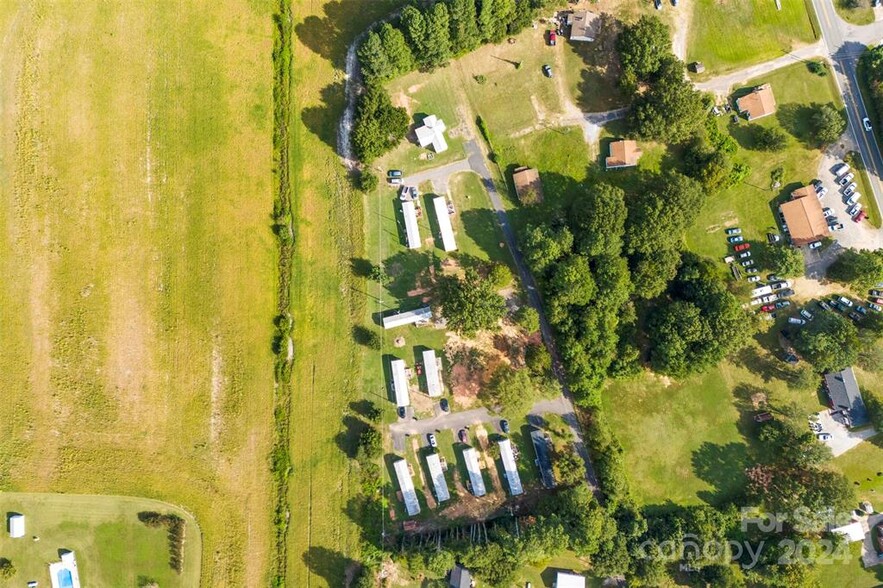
{"points": [[683, 15], [483, 442]]}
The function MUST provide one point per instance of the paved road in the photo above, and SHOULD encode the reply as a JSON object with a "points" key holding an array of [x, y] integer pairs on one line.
{"points": [[439, 175], [845, 43], [721, 85]]}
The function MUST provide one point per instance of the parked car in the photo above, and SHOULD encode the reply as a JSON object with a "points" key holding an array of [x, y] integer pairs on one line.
{"points": [[845, 301], [751, 270], [433, 442], [849, 189], [796, 321], [877, 300], [753, 279], [824, 436], [806, 314], [774, 278], [855, 316], [862, 215], [657, 4], [780, 285], [844, 181], [815, 244], [877, 293], [854, 209], [734, 231], [747, 263], [547, 70], [395, 181], [768, 307], [773, 238], [463, 436], [840, 169], [394, 173], [827, 212], [861, 310], [786, 292], [824, 305], [816, 427], [553, 38], [742, 247], [836, 304], [401, 412], [783, 304], [745, 255], [822, 193], [854, 198], [866, 122], [836, 227], [443, 404], [504, 426], [817, 184], [735, 239], [875, 307]]}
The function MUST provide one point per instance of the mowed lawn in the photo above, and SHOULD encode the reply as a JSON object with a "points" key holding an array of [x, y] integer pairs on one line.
{"points": [[138, 265], [112, 547], [751, 204], [763, 32]]}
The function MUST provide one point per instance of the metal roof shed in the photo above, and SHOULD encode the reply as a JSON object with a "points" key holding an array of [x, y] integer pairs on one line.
{"points": [[511, 469], [470, 456], [400, 319], [444, 223], [565, 580], [406, 485], [433, 376], [16, 523], [438, 477], [400, 382], [412, 232]]}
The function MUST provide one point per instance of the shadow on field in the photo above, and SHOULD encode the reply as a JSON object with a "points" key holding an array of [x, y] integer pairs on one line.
{"points": [[722, 467], [348, 438], [795, 118], [331, 565], [481, 225], [322, 120]]}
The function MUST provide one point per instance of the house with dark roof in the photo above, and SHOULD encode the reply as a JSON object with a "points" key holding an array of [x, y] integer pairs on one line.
{"points": [[460, 578], [542, 446], [528, 186], [844, 395]]}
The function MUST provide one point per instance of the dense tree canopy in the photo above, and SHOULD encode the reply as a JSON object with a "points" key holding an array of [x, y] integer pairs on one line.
{"points": [[379, 126], [862, 269], [827, 124], [830, 342], [671, 109], [470, 304], [599, 219], [784, 261], [661, 213], [642, 46], [769, 138]]}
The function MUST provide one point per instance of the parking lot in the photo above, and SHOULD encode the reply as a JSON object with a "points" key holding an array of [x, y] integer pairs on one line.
{"points": [[854, 235], [842, 439]]}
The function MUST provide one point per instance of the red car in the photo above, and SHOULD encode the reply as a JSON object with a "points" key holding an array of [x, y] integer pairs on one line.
{"points": [[860, 216], [768, 308], [742, 247], [877, 300], [553, 38]]}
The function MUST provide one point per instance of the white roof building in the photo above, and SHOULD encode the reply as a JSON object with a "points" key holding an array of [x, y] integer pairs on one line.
{"points": [[406, 485], [433, 375], [400, 382], [470, 456], [438, 477], [64, 573], [432, 133], [511, 469], [853, 532], [444, 223], [412, 231], [565, 580], [420, 315], [16, 525]]}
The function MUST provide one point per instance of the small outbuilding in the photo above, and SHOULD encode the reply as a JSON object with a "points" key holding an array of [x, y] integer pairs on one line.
{"points": [[460, 578], [470, 456], [853, 532], [542, 446], [528, 186], [433, 374], [584, 25], [406, 485], [567, 580], [400, 319], [400, 382], [412, 231], [431, 133], [623, 153], [759, 103], [437, 475], [16, 524]]}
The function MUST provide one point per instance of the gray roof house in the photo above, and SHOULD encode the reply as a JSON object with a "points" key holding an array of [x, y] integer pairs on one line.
{"points": [[460, 578], [845, 395], [542, 445]]}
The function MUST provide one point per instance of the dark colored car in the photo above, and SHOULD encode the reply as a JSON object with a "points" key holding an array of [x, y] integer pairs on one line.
{"points": [[547, 71], [443, 403], [735, 239], [401, 412], [504, 426], [463, 436], [394, 173]]}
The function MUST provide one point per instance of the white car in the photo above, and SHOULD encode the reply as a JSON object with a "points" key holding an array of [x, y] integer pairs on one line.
{"points": [[840, 169], [821, 193], [854, 209], [846, 179], [849, 189], [875, 306], [867, 123], [753, 279], [815, 244], [827, 212], [837, 227], [853, 199]]}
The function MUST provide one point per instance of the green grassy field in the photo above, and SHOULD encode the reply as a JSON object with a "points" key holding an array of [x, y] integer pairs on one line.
{"points": [[763, 32], [863, 466], [850, 573], [862, 15], [751, 203], [138, 264], [112, 547]]}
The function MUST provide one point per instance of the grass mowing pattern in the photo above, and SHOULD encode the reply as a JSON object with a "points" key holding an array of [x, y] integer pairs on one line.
{"points": [[282, 345]]}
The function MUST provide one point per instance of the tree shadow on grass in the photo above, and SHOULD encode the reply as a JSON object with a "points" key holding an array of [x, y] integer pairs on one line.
{"points": [[409, 271], [795, 118], [361, 267], [481, 226], [322, 120], [723, 468], [332, 566], [348, 438]]}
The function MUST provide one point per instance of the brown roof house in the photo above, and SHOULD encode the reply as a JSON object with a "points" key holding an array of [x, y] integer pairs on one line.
{"points": [[623, 153], [804, 217], [758, 104], [528, 185], [584, 25]]}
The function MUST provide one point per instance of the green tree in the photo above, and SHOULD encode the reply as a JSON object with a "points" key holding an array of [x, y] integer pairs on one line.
{"points": [[470, 304], [379, 126], [510, 390], [7, 568], [368, 181], [830, 342], [373, 59], [784, 261], [654, 270], [862, 269], [464, 26], [659, 216], [598, 220], [414, 26], [569, 467], [529, 319], [499, 275], [544, 245], [486, 19], [642, 46], [437, 49], [874, 403], [504, 12], [537, 359], [671, 109], [827, 124], [398, 54], [572, 282], [709, 166], [438, 563], [769, 138]]}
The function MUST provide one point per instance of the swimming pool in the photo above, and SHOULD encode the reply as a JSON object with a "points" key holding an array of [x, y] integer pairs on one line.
{"points": [[64, 579]]}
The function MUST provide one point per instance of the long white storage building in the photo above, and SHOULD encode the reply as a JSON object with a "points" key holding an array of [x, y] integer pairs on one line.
{"points": [[438, 477], [400, 382], [400, 319], [406, 485], [412, 232], [510, 467], [433, 375], [444, 223], [470, 456]]}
